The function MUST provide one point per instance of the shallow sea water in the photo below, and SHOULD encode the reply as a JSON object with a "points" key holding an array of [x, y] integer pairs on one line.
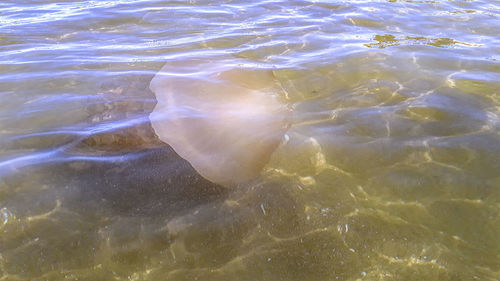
{"points": [[390, 170]]}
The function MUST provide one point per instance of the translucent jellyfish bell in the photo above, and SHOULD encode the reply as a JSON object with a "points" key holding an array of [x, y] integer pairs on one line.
{"points": [[223, 118]]}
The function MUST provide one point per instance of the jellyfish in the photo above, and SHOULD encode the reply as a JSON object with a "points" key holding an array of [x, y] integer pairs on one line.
{"points": [[223, 116]]}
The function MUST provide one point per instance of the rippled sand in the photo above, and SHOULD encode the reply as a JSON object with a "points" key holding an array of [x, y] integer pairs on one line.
{"points": [[389, 170]]}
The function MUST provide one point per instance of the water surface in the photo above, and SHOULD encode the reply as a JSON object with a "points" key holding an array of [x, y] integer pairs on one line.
{"points": [[390, 171]]}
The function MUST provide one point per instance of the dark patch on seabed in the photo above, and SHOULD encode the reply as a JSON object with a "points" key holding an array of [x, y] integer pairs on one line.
{"points": [[155, 181]]}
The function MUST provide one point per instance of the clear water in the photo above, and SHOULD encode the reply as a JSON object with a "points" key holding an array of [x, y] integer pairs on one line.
{"points": [[391, 171]]}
